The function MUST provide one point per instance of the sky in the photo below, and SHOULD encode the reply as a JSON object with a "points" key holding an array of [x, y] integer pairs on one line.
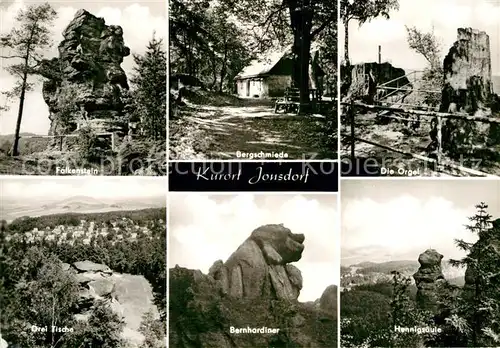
{"points": [[446, 16], [384, 220], [96, 187], [139, 19], [206, 228]]}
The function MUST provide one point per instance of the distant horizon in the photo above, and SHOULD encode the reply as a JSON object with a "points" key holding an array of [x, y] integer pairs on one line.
{"points": [[90, 186], [402, 219]]}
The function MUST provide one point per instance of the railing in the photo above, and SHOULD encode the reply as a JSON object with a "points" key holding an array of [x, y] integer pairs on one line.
{"points": [[407, 88], [61, 138], [438, 115]]}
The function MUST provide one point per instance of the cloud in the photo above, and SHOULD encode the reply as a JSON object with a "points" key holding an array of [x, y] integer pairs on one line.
{"points": [[405, 225], [205, 228], [442, 16], [98, 187], [137, 20]]}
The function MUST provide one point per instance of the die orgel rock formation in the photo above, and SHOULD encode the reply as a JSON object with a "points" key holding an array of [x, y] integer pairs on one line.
{"points": [[85, 84], [467, 69], [260, 267], [427, 278], [468, 88]]}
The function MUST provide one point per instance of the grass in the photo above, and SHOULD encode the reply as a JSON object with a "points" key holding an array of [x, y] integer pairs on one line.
{"points": [[218, 130]]}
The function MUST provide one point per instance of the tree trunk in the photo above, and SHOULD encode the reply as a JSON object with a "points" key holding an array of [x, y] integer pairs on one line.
{"points": [[15, 147], [346, 43], [301, 21], [223, 69]]}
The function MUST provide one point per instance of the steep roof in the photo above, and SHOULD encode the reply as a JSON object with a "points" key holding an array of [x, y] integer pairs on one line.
{"points": [[263, 65]]}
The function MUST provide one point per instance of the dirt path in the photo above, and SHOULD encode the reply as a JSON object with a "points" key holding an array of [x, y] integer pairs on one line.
{"points": [[220, 132]]}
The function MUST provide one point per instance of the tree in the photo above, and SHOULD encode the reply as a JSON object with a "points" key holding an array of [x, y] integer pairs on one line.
{"points": [[229, 54], [102, 329], [429, 47], [426, 44], [150, 88], [153, 331], [479, 304], [206, 44], [363, 11], [274, 21], [403, 313], [26, 44]]}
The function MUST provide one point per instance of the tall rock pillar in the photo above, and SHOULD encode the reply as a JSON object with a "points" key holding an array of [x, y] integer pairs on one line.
{"points": [[427, 279]]}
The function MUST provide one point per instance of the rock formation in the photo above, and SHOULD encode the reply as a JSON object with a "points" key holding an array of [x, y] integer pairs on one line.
{"points": [[260, 266], [361, 80], [257, 288], [130, 296], [468, 88], [467, 72], [328, 300], [200, 316], [427, 278], [86, 85]]}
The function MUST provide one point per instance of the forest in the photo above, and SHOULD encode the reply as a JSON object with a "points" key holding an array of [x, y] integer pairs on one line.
{"points": [[466, 316], [212, 43], [36, 290]]}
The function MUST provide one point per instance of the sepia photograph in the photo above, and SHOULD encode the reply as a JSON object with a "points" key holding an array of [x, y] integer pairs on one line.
{"points": [[253, 80], [420, 86], [83, 262], [83, 88], [422, 267], [248, 270]]}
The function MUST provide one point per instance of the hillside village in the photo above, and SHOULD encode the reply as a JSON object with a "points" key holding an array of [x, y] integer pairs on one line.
{"points": [[87, 230], [111, 265]]}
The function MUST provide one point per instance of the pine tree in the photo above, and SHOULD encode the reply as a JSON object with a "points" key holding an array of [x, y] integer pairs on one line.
{"points": [[403, 313], [150, 89], [479, 304], [25, 44]]}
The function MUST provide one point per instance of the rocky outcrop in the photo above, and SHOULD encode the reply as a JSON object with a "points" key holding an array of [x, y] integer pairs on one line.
{"points": [[328, 300], [467, 72], [85, 85], [255, 288], [468, 88], [361, 80], [201, 316], [428, 278], [260, 267], [129, 296]]}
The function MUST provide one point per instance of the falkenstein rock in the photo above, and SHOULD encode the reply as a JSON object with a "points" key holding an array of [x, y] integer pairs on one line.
{"points": [[85, 85], [255, 287]]}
